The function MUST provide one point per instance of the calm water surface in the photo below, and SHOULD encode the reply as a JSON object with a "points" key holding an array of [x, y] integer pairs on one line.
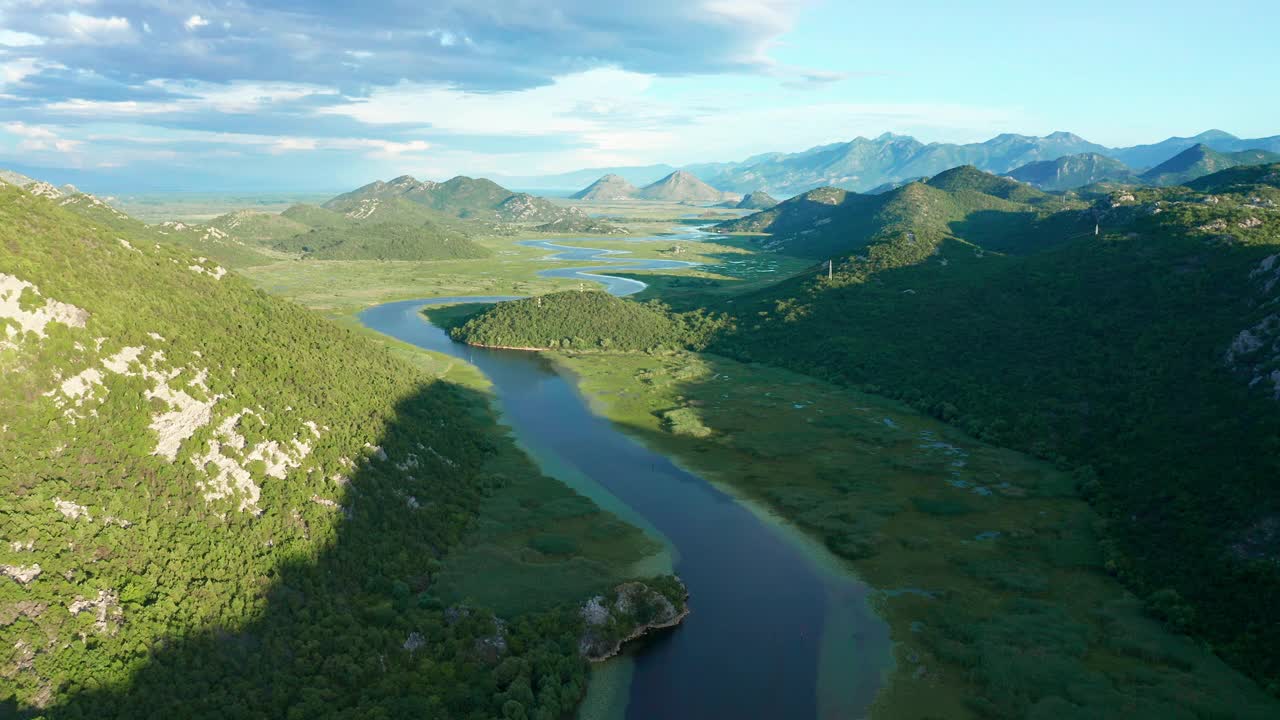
{"points": [[777, 629]]}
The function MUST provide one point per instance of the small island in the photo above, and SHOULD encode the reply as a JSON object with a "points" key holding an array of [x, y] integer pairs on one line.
{"points": [[631, 611]]}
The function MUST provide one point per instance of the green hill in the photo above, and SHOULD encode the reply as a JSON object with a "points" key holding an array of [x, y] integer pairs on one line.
{"points": [[1146, 358], [1200, 160], [1073, 171], [585, 321], [313, 216], [907, 224], [475, 199], [217, 504]]}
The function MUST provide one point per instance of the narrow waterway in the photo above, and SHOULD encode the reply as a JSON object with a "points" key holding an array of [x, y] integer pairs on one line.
{"points": [[778, 629]]}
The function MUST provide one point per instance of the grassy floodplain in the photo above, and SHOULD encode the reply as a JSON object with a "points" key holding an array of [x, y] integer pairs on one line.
{"points": [[985, 560]]}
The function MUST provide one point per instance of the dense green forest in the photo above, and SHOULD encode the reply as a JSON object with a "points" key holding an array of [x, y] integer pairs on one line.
{"points": [[591, 320], [220, 505], [1143, 358]]}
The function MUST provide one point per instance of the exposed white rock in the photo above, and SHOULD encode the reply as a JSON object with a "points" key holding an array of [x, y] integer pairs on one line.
{"points": [[367, 208], [80, 387], [216, 272], [186, 414], [120, 362], [33, 320], [230, 477], [22, 574], [323, 501], [72, 511], [43, 189], [127, 245], [22, 546], [106, 607]]}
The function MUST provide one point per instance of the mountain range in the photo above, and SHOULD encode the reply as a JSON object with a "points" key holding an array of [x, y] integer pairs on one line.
{"points": [[862, 164]]}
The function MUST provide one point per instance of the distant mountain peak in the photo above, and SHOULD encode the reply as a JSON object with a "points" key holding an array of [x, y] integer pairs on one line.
{"points": [[608, 187], [683, 186], [1215, 134]]}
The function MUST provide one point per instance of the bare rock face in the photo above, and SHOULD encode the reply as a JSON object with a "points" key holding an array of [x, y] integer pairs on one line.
{"points": [[1254, 352], [631, 611]]}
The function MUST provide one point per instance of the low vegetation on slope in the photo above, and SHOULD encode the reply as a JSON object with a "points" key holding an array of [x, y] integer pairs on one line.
{"points": [[586, 321], [220, 505], [1146, 358]]}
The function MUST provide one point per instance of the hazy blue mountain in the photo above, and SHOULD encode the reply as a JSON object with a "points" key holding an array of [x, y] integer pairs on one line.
{"points": [[1200, 160], [635, 174], [681, 186], [1073, 171], [1142, 157], [889, 161], [608, 187]]}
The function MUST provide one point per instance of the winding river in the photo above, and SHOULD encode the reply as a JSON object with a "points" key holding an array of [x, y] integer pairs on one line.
{"points": [[778, 629]]}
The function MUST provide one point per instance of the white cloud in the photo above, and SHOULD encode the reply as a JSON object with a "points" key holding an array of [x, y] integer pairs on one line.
{"points": [[245, 97], [540, 111], [195, 22], [13, 38], [36, 138], [14, 70], [93, 30]]}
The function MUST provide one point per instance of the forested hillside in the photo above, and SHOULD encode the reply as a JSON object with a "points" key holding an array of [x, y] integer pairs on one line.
{"points": [[587, 321], [1146, 358], [906, 224], [474, 199], [220, 505]]}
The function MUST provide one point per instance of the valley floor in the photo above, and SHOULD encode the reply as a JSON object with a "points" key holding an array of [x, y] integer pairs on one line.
{"points": [[986, 562]]}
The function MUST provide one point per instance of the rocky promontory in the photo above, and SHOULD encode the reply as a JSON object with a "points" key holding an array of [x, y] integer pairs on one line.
{"points": [[632, 610]]}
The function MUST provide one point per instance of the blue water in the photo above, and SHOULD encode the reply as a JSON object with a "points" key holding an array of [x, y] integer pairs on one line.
{"points": [[752, 644]]}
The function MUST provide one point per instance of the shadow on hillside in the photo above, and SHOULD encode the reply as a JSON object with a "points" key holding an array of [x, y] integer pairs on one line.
{"points": [[1020, 233], [350, 629]]}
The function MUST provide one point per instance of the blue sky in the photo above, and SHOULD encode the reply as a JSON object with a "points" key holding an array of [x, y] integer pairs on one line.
{"points": [[305, 94]]}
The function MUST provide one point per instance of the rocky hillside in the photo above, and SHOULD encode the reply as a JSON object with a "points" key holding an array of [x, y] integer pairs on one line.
{"points": [[758, 200], [681, 186], [1073, 171], [608, 187], [1200, 160], [208, 489]]}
